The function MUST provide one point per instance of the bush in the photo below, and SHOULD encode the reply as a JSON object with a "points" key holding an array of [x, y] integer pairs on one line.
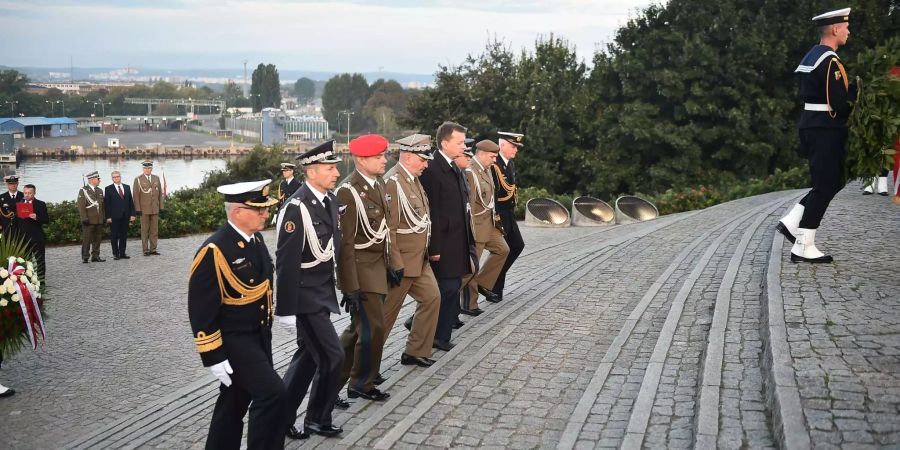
{"points": [[259, 164]]}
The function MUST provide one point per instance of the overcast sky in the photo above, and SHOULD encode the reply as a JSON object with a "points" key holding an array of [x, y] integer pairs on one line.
{"points": [[393, 35]]}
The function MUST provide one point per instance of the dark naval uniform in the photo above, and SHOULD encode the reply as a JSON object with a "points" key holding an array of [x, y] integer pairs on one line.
{"points": [[826, 93], [230, 308], [506, 182], [305, 289], [287, 189], [8, 218]]}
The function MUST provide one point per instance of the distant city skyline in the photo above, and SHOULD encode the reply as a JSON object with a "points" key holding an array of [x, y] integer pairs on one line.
{"points": [[405, 36]]}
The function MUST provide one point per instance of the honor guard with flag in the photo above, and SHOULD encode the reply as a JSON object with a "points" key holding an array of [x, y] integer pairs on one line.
{"points": [[409, 223], [487, 229], [362, 268], [230, 310], [309, 240], [826, 94], [505, 181]]}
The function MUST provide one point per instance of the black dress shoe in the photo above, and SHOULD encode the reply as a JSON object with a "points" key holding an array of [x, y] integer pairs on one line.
{"points": [[341, 403], [9, 393], [378, 380], [458, 324], [294, 433], [322, 430], [471, 312], [375, 395], [116, 257], [85, 260], [98, 259], [124, 257], [146, 253], [443, 345], [155, 253], [490, 296], [410, 360], [408, 323]]}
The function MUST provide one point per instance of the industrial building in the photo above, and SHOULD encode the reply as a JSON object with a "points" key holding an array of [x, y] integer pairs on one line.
{"points": [[38, 127]]}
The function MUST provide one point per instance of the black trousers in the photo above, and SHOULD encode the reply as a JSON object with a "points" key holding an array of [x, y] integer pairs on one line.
{"points": [[449, 312], [118, 236], [826, 149], [255, 384], [317, 361], [515, 243]]}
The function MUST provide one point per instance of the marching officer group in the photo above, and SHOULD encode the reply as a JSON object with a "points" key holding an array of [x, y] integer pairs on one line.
{"points": [[421, 233]]}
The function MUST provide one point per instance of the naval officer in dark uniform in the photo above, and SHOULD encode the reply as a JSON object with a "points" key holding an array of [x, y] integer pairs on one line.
{"points": [[8, 202], [288, 185], [826, 93], [506, 184], [305, 297], [230, 309]]}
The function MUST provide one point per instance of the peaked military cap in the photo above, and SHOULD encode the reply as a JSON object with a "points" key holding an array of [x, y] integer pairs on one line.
{"points": [[288, 166], [486, 145], [832, 17], [11, 178], [250, 193], [512, 138], [93, 174], [418, 144], [147, 163], [320, 154]]}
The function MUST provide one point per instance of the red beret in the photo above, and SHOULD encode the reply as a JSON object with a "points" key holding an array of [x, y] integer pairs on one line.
{"points": [[368, 145]]}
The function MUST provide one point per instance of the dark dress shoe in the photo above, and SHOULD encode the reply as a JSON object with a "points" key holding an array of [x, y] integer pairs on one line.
{"points": [[85, 260], [820, 260], [490, 296], [410, 360], [116, 257], [146, 253], [124, 257], [408, 323], [8, 393], [155, 253], [443, 345], [322, 430], [375, 395], [471, 312], [341, 403], [378, 380], [98, 259], [294, 433], [458, 324]]}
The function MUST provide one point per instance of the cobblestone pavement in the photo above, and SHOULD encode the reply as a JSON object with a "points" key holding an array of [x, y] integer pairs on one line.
{"points": [[665, 333]]}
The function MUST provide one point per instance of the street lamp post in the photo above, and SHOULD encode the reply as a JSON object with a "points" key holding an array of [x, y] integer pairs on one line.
{"points": [[348, 113], [51, 106], [12, 107], [63, 106]]}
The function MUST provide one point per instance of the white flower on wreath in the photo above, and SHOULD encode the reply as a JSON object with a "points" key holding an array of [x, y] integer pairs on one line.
{"points": [[15, 297], [29, 266], [9, 285], [38, 295], [20, 260], [3, 303], [29, 273], [13, 278]]}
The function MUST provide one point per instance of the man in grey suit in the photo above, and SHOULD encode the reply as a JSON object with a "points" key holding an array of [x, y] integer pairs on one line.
{"points": [[308, 240]]}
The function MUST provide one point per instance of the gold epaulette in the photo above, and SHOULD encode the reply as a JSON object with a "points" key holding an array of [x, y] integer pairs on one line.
{"points": [[508, 188], [247, 293], [208, 343]]}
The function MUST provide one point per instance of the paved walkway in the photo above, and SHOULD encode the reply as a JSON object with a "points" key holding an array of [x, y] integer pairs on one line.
{"points": [[693, 330]]}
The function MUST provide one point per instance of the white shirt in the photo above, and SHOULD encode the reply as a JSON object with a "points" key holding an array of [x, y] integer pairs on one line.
{"points": [[246, 237], [319, 195], [409, 176], [371, 181], [288, 180], [449, 161], [505, 161]]}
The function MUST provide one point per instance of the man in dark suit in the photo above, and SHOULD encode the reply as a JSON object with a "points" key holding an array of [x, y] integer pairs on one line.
{"points": [[119, 213], [308, 241], [452, 242], [506, 181], [230, 311], [32, 227], [8, 202]]}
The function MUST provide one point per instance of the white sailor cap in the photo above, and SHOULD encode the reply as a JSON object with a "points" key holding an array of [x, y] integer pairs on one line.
{"points": [[93, 174], [288, 166], [250, 193], [512, 138], [832, 17]]}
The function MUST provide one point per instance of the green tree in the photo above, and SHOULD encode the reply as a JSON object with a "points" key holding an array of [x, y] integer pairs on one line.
{"points": [[346, 92], [234, 95], [265, 90], [12, 82], [305, 89]]}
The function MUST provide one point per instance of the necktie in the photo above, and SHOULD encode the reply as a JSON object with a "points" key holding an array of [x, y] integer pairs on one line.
{"points": [[121, 194], [326, 202]]}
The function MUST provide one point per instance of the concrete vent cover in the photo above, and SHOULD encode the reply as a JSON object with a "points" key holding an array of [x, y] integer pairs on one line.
{"points": [[544, 212]]}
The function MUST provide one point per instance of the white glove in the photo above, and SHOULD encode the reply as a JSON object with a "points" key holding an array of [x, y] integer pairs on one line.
{"points": [[222, 371], [287, 322]]}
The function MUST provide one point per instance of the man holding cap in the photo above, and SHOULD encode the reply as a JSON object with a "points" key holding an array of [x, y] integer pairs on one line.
{"points": [[308, 245], [92, 212], [362, 267], [149, 202], [230, 310]]}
